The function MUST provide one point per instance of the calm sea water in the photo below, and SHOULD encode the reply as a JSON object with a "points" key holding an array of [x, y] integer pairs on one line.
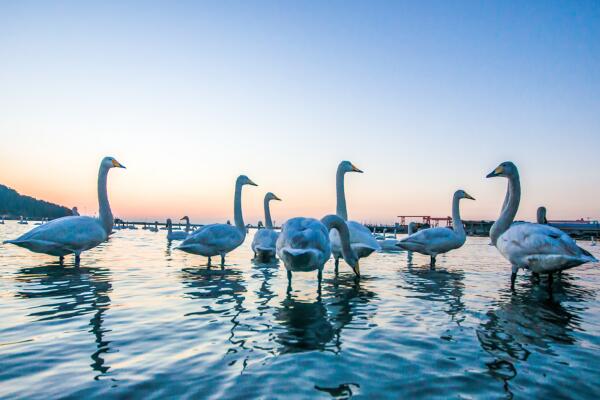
{"points": [[139, 320]]}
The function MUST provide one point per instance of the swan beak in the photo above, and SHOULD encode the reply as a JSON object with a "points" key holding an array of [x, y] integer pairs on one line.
{"points": [[468, 196], [251, 183], [354, 169], [357, 269], [499, 170], [117, 164], [276, 198]]}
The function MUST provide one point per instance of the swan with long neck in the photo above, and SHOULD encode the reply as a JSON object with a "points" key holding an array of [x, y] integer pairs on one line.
{"points": [[362, 240], [74, 234], [187, 223], [304, 244], [174, 235], [220, 239], [539, 248], [439, 240], [264, 241]]}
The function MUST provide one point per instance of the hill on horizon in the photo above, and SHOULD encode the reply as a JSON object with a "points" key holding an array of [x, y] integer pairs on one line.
{"points": [[14, 205]]}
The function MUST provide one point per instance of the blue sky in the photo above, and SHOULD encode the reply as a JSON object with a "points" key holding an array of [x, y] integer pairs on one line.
{"points": [[426, 97]]}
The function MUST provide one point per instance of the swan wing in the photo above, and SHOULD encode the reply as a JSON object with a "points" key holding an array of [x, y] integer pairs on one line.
{"points": [[362, 240], [543, 248], [433, 240], [65, 235], [219, 237]]}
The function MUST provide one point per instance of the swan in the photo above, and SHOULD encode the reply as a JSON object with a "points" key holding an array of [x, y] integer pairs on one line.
{"points": [[539, 248], [220, 239], [23, 221], [434, 241], [541, 216], [74, 234], [411, 228], [174, 235], [154, 228], [263, 244], [361, 239], [304, 245], [187, 223]]}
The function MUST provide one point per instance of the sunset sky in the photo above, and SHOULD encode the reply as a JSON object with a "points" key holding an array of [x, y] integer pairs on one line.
{"points": [[188, 95]]}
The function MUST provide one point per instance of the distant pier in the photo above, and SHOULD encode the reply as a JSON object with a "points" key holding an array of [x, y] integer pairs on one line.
{"points": [[577, 229]]}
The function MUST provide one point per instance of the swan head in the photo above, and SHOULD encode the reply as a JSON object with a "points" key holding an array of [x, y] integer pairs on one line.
{"points": [[111, 162], [347, 166], [185, 218], [506, 169], [461, 194], [169, 222], [244, 180], [271, 196]]}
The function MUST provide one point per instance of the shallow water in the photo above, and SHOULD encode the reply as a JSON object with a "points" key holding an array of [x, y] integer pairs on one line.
{"points": [[139, 320]]}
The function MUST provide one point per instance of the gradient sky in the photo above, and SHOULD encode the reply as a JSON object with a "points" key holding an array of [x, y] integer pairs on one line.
{"points": [[425, 97]]}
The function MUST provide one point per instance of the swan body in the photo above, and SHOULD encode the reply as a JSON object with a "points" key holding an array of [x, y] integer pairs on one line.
{"points": [[439, 240], [174, 235], [62, 236], [537, 247], [541, 248], [362, 240], [265, 240], [304, 244], [219, 239], [73, 234]]}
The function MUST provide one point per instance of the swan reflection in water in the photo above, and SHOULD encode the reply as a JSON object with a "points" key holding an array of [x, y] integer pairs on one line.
{"points": [[317, 325], [224, 291], [436, 285], [75, 292], [526, 321]]}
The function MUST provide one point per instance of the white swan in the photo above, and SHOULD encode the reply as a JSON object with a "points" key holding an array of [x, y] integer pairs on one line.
{"points": [[74, 234], [264, 242], [361, 239], [174, 235], [153, 228], [220, 239], [539, 248], [304, 244], [541, 216], [434, 241], [187, 223]]}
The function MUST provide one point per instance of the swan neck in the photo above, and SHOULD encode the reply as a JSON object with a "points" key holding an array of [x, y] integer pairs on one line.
{"points": [[457, 223], [336, 222], [106, 217], [268, 221], [341, 210], [237, 208], [509, 210]]}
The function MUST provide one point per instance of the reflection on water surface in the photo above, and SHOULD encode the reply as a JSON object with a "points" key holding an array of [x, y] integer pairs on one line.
{"points": [[141, 320]]}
